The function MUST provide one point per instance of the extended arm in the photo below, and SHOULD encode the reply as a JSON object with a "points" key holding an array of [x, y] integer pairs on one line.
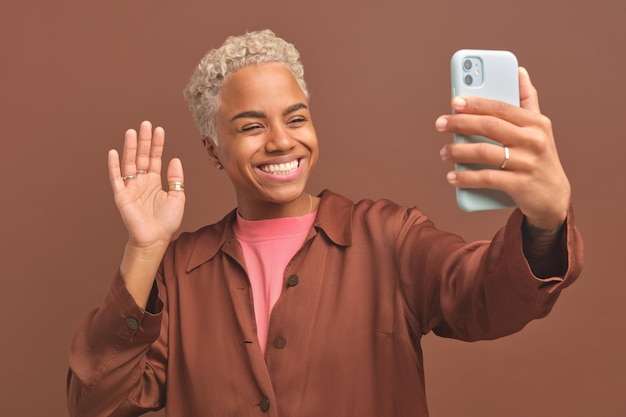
{"points": [[533, 175]]}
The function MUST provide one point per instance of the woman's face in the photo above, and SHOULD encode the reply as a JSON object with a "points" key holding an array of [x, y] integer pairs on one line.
{"points": [[267, 142]]}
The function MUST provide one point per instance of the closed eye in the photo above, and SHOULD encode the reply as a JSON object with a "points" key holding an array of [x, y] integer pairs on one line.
{"points": [[250, 128], [296, 120]]}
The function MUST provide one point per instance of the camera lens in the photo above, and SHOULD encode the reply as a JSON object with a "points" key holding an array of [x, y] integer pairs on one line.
{"points": [[468, 79], [467, 64]]}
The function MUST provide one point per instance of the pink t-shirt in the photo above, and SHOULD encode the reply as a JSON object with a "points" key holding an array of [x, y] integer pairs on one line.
{"points": [[268, 246]]}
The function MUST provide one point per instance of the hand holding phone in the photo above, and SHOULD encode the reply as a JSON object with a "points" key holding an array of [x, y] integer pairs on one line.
{"points": [[487, 74], [486, 121]]}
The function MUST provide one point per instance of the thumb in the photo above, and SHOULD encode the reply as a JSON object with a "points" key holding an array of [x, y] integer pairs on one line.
{"points": [[529, 98], [175, 172]]}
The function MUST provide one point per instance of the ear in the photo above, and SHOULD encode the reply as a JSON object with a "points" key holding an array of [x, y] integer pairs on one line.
{"points": [[211, 150]]}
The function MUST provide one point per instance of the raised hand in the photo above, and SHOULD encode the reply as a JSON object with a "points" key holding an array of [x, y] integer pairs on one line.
{"points": [[533, 175], [151, 214]]}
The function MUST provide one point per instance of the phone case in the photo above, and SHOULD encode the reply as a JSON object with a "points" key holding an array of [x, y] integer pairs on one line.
{"points": [[494, 75]]}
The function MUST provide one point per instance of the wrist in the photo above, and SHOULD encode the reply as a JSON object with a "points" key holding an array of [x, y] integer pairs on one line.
{"points": [[544, 226], [544, 249], [139, 267], [548, 221], [146, 248]]}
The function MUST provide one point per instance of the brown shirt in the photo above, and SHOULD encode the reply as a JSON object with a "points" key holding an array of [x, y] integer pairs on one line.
{"points": [[344, 336]]}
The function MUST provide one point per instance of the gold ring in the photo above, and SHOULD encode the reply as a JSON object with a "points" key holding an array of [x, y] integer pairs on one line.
{"points": [[177, 186], [507, 156]]}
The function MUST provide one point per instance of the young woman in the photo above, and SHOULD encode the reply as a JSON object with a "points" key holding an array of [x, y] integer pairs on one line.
{"points": [[301, 305]]}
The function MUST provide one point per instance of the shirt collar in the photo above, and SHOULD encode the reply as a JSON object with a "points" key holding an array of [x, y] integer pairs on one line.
{"points": [[334, 220]]}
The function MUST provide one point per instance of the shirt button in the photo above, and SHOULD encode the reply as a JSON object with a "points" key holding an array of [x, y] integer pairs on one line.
{"points": [[265, 404], [132, 323], [280, 342], [293, 280]]}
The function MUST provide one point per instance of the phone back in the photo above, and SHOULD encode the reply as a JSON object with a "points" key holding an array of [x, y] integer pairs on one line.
{"points": [[488, 74]]}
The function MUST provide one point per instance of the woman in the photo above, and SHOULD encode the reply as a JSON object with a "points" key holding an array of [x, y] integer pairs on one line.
{"points": [[303, 305]]}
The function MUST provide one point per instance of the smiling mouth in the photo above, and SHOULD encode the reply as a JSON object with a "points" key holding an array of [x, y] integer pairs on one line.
{"points": [[281, 169]]}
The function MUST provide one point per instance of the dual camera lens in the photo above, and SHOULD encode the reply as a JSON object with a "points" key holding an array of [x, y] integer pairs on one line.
{"points": [[472, 71], [467, 65]]}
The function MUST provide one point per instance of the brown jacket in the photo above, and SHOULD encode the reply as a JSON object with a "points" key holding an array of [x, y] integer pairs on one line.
{"points": [[344, 337]]}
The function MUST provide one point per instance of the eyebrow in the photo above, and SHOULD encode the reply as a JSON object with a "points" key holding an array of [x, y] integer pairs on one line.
{"points": [[255, 114]]}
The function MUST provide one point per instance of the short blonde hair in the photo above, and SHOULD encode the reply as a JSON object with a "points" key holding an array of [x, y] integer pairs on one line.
{"points": [[253, 48]]}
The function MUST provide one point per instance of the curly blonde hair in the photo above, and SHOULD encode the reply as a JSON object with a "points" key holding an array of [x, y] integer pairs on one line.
{"points": [[253, 48]]}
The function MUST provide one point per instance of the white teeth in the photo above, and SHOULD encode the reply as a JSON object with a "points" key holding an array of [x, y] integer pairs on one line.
{"points": [[280, 169]]}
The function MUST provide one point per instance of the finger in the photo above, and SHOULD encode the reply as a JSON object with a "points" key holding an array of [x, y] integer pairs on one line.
{"points": [[156, 150], [129, 154], [175, 171], [144, 142], [483, 178], [487, 154], [175, 174], [115, 175], [511, 113], [529, 99], [491, 127]]}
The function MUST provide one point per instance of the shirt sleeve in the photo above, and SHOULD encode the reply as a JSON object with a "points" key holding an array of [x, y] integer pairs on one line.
{"points": [[117, 357], [476, 290]]}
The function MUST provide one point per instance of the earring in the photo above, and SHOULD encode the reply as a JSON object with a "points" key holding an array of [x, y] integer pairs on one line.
{"points": [[219, 166]]}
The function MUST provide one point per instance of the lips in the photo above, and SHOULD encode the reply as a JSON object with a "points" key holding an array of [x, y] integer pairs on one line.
{"points": [[286, 168]]}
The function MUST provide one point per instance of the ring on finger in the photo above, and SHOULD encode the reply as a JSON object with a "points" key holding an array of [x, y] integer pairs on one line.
{"points": [[177, 186], [507, 156], [129, 177], [141, 171]]}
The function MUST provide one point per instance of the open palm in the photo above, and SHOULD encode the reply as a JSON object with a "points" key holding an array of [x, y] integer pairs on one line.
{"points": [[151, 214]]}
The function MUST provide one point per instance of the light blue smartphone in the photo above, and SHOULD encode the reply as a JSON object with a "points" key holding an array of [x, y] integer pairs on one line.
{"points": [[488, 74]]}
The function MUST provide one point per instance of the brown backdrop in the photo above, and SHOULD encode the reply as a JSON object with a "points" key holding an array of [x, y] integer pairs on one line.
{"points": [[76, 74]]}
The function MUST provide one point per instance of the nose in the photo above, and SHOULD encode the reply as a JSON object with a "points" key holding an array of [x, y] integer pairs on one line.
{"points": [[279, 139]]}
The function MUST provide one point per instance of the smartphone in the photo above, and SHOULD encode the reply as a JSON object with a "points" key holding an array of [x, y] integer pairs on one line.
{"points": [[488, 74]]}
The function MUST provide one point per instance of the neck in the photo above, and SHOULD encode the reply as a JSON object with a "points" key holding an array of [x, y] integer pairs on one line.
{"points": [[301, 206]]}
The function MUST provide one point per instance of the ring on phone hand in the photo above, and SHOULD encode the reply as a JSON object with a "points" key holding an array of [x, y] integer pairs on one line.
{"points": [[129, 177], [141, 171], [507, 156], [177, 186]]}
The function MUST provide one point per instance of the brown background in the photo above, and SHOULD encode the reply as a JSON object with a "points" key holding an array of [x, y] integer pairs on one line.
{"points": [[76, 74]]}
